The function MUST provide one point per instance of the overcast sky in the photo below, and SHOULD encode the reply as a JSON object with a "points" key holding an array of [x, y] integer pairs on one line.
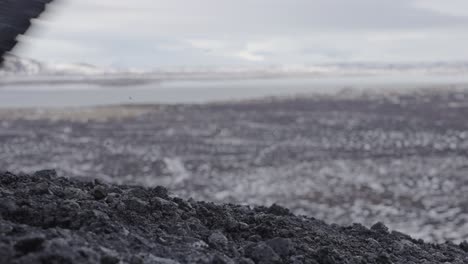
{"points": [[155, 33]]}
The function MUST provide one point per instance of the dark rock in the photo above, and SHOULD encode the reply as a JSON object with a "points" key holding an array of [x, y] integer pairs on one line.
{"points": [[136, 260], [160, 192], [246, 261], [464, 246], [262, 253], [5, 228], [328, 255], [7, 178], [8, 206], [97, 182], [74, 193], [150, 259], [218, 240], [138, 192], [221, 259], [99, 192], [282, 246], [45, 174], [137, 205], [134, 225], [374, 243], [41, 188], [183, 204], [107, 259], [30, 244], [278, 210], [160, 203], [55, 259], [230, 223], [401, 236], [57, 191], [380, 228], [384, 258], [255, 238]]}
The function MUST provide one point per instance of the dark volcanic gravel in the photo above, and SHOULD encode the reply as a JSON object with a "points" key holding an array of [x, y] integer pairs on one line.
{"points": [[47, 219]]}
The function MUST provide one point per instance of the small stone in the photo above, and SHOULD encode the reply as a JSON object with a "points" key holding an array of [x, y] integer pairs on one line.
{"points": [[408, 244], [199, 244], [5, 228], [97, 182], [464, 246], [47, 174], [57, 191], [384, 258], [183, 204], [246, 261], [55, 259], [112, 198], [30, 244], [107, 259], [138, 193], [221, 259], [99, 192], [153, 259], [255, 238], [99, 215], [400, 235], [374, 243], [230, 223], [7, 178], [160, 203], [261, 252], [136, 260], [8, 206], [136, 205], [74, 193], [161, 192], [300, 260], [41, 188], [278, 210], [329, 255], [380, 228], [243, 226], [71, 205], [218, 240], [282, 246]]}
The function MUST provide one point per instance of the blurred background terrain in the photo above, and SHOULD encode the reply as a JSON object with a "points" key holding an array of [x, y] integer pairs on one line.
{"points": [[399, 157]]}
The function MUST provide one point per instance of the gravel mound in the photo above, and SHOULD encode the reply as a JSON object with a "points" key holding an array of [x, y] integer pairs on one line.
{"points": [[47, 219]]}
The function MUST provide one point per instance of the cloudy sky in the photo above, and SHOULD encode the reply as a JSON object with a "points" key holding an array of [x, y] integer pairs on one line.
{"points": [[155, 33]]}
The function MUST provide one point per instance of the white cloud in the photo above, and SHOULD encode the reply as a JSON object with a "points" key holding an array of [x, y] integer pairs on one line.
{"points": [[154, 32], [208, 44], [450, 7], [250, 56]]}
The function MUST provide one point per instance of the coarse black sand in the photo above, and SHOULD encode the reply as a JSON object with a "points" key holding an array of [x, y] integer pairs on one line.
{"points": [[48, 219]]}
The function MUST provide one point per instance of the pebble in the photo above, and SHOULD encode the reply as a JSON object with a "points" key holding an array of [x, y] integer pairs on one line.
{"points": [[30, 244], [282, 246], [218, 240], [41, 188], [137, 205], [261, 252], [99, 192], [380, 228]]}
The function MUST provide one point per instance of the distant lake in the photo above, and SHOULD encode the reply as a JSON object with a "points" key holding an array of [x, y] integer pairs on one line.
{"points": [[202, 91]]}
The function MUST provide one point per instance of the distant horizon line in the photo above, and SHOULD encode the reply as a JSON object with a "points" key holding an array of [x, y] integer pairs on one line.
{"points": [[250, 65]]}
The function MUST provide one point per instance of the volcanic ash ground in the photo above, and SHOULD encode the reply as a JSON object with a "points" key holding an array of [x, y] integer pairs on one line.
{"points": [[47, 219]]}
